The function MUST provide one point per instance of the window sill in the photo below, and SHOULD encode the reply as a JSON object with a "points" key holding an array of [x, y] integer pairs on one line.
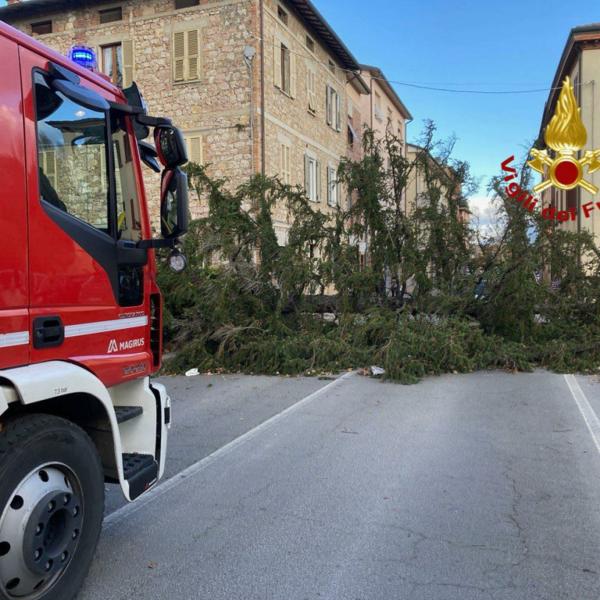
{"points": [[188, 82], [284, 93]]}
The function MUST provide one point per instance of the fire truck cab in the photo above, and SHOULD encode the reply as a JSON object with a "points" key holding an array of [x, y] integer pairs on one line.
{"points": [[80, 310]]}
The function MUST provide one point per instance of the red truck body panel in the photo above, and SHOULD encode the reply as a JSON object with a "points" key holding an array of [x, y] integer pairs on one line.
{"points": [[44, 271]]}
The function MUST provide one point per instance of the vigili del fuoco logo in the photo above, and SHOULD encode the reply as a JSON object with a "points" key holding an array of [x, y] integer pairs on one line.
{"points": [[566, 136]]}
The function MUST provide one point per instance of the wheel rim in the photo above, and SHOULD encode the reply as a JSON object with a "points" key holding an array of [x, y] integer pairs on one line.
{"points": [[40, 529]]}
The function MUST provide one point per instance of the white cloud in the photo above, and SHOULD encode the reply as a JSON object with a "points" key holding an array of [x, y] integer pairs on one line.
{"points": [[483, 215]]}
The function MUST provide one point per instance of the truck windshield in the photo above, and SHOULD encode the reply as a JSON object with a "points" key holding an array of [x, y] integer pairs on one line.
{"points": [[72, 163]]}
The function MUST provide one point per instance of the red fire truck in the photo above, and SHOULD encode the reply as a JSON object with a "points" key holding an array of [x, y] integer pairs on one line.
{"points": [[80, 311]]}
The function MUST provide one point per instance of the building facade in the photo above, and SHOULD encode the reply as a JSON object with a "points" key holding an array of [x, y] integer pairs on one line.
{"points": [[257, 86], [580, 61], [382, 109]]}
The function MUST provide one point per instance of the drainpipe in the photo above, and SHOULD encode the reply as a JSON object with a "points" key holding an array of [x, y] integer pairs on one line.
{"points": [[263, 152]]}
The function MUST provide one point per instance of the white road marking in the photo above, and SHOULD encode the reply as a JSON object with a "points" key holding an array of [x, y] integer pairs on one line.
{"points": [[585, 408], [127, 510]]}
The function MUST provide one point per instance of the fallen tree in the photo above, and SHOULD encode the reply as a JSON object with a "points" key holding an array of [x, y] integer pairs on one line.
{"points": [[429, 295]]}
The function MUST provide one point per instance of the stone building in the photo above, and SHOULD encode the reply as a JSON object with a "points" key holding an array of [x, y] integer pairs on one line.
{"points": [[255, 85]]}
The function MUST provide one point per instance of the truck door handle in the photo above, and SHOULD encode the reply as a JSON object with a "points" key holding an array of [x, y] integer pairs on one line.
{"points": [[48, 332]]}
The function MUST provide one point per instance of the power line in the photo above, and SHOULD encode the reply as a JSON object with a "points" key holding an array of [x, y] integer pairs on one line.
{"points": [[423, 86]]}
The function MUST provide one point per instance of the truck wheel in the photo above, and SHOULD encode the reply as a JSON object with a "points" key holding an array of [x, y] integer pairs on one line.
{"points": [[51, 507]]}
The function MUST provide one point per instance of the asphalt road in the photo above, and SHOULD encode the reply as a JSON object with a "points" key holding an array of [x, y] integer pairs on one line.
{"points": [[482, 486]]}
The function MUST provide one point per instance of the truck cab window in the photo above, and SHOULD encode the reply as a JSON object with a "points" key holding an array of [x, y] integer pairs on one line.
{"points": [[129, 225], [72, 156]]}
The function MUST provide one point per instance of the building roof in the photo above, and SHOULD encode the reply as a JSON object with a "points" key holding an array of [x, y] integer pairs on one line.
{"points": [[378, 74], [315, 20], [578, 38], [304, 8]]}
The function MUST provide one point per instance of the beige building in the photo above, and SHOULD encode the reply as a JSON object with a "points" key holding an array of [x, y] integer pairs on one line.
{"points": [[382, 109], [416, 187], [255, 85], [580, 61]]}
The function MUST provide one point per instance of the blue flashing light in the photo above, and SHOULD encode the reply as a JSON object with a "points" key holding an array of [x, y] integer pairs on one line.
{"points": [[84, 56]]}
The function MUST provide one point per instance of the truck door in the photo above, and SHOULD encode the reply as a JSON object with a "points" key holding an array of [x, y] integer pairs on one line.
{"points": [[14, 315], [88, 299]]}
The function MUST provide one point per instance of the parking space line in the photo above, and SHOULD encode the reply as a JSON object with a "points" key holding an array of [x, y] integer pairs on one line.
{"points": [[585, 408], [127, 510]]}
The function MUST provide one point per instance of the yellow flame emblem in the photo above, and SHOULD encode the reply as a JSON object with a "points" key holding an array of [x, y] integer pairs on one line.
{"points": [[565, 134]]}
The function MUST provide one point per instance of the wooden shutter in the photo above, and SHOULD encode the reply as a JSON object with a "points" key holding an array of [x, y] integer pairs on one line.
{"points": [[277, 63], [194, 149], [328, 106], [128, 63], [293, 75], [318, 180], [311, 85], [49, 166], [193, 54], [329, 186], [307, 174], [338, 112], [179, 56]]}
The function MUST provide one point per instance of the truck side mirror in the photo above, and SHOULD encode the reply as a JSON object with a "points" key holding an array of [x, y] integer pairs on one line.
{"points": [[173, 203], [170, 146]]}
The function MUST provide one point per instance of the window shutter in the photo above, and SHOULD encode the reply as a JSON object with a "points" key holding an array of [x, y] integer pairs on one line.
{"points": [[329, 187], [277, 63], [318, 178], [128, 71], [338, 113], [312, 90], [49, 165], [193, 54], [194, 149], [307, 174], [179, 56], [328, 105], [292, 74]]}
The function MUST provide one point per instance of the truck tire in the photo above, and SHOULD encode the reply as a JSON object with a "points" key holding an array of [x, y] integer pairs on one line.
{"points": [[51, 507]]}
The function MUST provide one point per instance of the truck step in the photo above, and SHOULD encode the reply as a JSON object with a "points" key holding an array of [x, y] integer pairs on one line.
{"points": [[141, 472], [126, 413]]}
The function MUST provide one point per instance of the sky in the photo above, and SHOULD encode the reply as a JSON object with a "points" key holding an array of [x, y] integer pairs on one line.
{"points": [[469, 44]]}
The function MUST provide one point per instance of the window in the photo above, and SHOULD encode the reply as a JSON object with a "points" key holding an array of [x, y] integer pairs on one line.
{"points": [[109, 15], [285, 168], [129, 217], [186, 55], [310, 43], [117, 62], [284, 68], [283, 16], [351, 136], [312, 178], [332, 66], [112, 63], [193, 144], [571, 202], [377, 107], [186, 3], [333, 109], [332, 187], [72, 145], [42, 27], [311, 89]]}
